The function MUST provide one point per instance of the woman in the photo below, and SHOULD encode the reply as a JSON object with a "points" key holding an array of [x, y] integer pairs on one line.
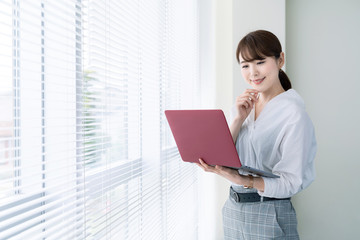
{"points": [[272, 132]]}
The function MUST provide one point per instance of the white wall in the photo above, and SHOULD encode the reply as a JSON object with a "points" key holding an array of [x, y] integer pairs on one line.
{"points": [[323, 49]]}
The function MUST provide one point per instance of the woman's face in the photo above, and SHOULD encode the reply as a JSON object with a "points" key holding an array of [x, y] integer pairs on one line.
{"points": [[262, 75]]}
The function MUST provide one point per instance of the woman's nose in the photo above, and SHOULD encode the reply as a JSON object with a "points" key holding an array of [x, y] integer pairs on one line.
{"points": [[254, 72]]}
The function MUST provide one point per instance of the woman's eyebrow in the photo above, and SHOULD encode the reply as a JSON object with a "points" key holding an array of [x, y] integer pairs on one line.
{"points": [[244, 61]]}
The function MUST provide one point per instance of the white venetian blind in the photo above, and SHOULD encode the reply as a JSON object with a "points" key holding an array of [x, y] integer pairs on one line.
{"points": [[85, 150], [39, 171]]}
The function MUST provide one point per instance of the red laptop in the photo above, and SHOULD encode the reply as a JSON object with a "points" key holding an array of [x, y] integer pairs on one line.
{"points": [[205, 134]]}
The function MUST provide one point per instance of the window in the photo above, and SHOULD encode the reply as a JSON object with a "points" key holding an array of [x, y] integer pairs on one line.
{"points": [[85, 150]]}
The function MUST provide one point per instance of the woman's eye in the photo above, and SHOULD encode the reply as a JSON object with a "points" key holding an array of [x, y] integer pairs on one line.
{"points": [[244, 66], [261, 62]]}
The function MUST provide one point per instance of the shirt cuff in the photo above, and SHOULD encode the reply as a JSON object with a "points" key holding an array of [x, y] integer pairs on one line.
{"points": [[270, 187]]}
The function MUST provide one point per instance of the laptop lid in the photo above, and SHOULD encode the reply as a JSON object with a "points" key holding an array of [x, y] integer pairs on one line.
{"points": [[203, 134]]}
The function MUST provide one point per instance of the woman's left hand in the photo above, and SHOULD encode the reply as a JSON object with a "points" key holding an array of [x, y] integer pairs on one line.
{"points": [[231, 174]]}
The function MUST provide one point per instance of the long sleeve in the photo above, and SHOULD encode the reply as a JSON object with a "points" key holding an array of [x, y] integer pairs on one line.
{"points": [[297, 151]]}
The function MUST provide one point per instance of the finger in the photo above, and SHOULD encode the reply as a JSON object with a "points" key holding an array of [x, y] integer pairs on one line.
{"points": [[223, 171], [251, 90], [202, 161], [249, 93], [245, 103], [206, 167], [243, 100], [246, 97], [253, 98], [203, 164], [200, 166], [249, 103], [220, 168]]}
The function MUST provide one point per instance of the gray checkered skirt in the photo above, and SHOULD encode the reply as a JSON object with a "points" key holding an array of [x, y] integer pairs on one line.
{"points": [[259, 220]]}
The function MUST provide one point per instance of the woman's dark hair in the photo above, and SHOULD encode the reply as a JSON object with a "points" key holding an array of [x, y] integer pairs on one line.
{"points": [[260, 44]]}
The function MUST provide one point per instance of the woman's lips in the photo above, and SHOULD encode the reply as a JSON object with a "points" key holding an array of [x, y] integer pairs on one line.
{"points": [[258, 81]]}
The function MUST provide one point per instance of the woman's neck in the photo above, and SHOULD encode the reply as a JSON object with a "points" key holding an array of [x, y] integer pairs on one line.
{"points": [[266, 96]]}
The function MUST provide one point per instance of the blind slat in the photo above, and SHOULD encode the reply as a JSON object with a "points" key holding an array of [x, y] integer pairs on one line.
{"points": [[85, 148]]}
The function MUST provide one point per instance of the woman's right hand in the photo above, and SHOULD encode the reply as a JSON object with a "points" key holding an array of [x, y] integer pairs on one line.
{"points": [[245, 103]]}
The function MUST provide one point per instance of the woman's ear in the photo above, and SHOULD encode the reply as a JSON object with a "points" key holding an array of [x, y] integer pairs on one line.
{"points": [[281, 60]]}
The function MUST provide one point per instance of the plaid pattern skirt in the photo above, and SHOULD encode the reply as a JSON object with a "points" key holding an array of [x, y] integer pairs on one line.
{"points": [[259, 220]]}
